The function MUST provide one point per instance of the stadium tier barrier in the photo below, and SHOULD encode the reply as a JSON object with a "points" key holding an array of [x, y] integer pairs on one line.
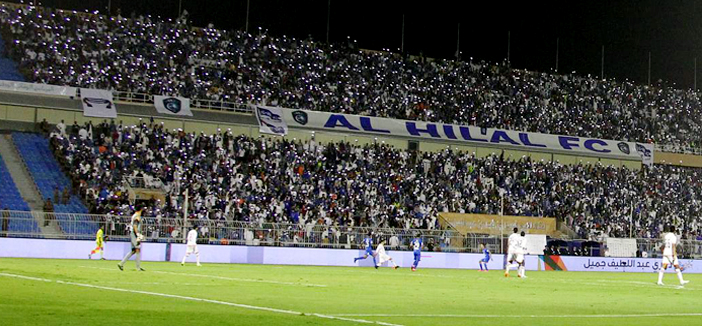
{"points": [[203, 104], [219, 105], [84, 226], [159, 252]]}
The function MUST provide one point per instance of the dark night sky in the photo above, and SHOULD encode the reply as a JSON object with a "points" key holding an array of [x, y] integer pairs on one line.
{"points": [[670, 30]]}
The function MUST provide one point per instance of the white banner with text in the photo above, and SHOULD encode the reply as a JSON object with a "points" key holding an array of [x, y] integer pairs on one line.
{"points": [[98, 103], [608, 264], [46, 89], [471, 134]]}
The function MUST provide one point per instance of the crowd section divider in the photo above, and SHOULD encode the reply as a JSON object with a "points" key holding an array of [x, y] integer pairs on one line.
{"points": [[33, 108]]}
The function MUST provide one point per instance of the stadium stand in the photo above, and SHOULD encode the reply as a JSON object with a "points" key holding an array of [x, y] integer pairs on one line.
{"points": [[149, 55], [264, 180]]}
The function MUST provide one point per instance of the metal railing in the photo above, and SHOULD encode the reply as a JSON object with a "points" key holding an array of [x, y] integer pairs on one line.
{"points": [[84, 227], [218, 105], [650, 248], [685, 248], [677, 149], [144, 183]]}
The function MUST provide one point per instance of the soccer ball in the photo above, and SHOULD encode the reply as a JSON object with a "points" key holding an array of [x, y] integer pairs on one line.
{"points": [[140, 238]]}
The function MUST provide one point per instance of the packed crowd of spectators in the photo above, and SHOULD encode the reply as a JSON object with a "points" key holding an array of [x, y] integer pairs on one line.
{"points": [[232, 177], [265, 180], [150, 55]]}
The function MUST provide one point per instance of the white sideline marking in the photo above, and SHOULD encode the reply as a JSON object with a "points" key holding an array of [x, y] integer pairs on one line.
{"points": [[173, 296], [692, 314], [160, 283], [220, 277]]}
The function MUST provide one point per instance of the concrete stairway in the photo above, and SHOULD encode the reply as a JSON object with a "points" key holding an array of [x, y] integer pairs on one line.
{"points": [[565, 231], [24, 182]]}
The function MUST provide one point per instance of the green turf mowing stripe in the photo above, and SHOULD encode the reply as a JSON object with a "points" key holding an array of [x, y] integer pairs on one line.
{"points": [[220, 277], [173, 296], [692, 314]]}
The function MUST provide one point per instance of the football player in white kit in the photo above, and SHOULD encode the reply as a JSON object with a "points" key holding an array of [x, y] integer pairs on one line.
{"points": [[192, 246], [513, 245], [670, 256], [383, 256], [521, 251]]}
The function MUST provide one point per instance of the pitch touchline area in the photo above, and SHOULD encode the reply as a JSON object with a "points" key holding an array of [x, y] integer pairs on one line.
{"points": [[220, 277], [173, 296], [692, 314], [160, 283], [242, 279], [628, 283]]}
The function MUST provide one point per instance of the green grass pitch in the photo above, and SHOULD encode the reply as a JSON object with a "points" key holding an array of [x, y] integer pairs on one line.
{"points": [[83, 292]]}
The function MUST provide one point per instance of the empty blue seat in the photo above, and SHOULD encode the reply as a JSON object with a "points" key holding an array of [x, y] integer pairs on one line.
{"points": [[10, 197], [46, 172]]}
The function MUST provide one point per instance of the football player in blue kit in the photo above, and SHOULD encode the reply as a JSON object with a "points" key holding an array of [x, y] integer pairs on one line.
{"points": [[368, 244]]}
